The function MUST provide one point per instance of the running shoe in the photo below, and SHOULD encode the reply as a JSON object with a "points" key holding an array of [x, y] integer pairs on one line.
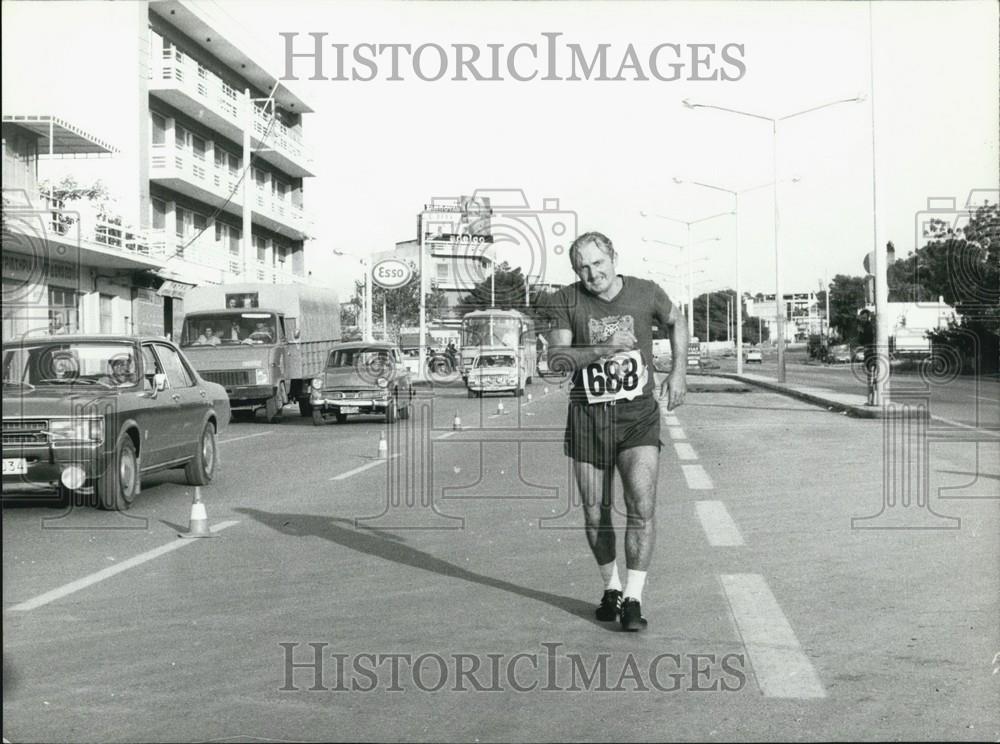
{"points": [[611, 604], [631, 613]]}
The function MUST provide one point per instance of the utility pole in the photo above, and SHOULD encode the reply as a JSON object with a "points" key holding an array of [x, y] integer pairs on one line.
{"points": [[707, 297], [247, 241]]}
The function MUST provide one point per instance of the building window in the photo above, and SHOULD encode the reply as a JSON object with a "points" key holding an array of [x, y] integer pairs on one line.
{"points": [[442, 271], [228, 235], [64, 310], [106, 321], [261, 245]]}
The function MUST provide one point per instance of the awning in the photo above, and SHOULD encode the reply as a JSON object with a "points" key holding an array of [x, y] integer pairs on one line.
{"points": [[66, 139]]}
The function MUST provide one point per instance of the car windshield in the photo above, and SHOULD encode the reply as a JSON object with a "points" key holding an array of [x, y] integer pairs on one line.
{"points": [[219, 329], [359, 356], [105, 364], [494, 360]]}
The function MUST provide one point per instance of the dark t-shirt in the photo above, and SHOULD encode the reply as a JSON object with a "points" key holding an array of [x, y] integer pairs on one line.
{"points": [[592, 320]]}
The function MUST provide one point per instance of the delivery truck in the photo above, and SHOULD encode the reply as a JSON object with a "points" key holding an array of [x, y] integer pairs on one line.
{"points": [[263, 343]]}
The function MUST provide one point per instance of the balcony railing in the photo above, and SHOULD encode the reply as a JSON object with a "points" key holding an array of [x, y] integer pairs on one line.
{"points": [[81, 220], [176, 70], [204, 252]]}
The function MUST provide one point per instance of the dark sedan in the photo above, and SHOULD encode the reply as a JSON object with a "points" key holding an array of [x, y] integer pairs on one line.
{"points": [[93, 414]]}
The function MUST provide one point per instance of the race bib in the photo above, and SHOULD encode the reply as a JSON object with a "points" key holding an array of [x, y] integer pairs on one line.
{"points": [[621, 377]]}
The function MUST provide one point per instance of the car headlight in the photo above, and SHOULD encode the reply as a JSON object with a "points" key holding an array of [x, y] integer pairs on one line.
{"points": [[382, 382], [261, 376], [78, 429], [511, 380]]}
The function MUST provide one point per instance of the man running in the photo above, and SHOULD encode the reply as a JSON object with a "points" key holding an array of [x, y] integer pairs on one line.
{"points": [[602, 335]]}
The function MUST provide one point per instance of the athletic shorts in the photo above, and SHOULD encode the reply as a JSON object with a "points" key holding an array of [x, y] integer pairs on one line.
{"points": [[597, 433]]}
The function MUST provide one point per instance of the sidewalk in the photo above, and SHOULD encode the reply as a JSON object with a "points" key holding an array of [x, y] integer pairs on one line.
{"points": [[851, 404]]}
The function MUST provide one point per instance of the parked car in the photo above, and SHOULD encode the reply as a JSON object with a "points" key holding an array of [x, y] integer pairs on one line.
{"points": [[94, 414], [362, 378], [753, 356]]}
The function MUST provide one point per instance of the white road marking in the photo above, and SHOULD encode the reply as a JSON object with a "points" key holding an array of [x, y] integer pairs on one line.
{"points": [[696, 477], [781, 667], [446, 435], [362, 468], [685, 451], [248, 436], [107, 573], [670, 420], [676, 432], [719, 527], [966, 426]]}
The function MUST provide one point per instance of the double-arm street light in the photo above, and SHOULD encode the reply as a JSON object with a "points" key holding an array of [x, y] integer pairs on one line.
{"points": [[672, 279], [778, 297], [689, 247], [366, 310], [739, 296]]}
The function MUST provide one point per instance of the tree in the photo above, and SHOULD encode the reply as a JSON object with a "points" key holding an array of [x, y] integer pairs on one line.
{"points": [[847, 296], [505, 290], [402, 304], [719, 303]]}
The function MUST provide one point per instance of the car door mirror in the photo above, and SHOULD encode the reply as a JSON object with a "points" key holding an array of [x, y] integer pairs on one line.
{"points": [[159, 382]]}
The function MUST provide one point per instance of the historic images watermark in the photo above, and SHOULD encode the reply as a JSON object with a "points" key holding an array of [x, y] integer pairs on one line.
{"points": [[317, 667], [314, 56]]}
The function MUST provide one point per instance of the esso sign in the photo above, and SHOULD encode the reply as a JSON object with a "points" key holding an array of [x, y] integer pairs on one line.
{"points": [[391, 273]]}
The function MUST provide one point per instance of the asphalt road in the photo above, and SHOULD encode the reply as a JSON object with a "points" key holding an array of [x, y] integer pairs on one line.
{"points": [[777, 611]]}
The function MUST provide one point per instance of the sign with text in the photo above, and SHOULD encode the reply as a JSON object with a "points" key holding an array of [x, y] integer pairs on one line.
{"points": [[392, 273]]}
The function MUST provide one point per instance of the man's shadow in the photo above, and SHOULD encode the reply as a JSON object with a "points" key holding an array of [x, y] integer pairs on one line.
{"points": [[390, 547]]}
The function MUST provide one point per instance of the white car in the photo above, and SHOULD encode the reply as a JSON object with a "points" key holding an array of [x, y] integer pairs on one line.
{"points": [[753, 356]]}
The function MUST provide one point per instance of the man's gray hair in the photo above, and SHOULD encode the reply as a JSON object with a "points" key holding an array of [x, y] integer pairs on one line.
{"points": [[601, 240]]}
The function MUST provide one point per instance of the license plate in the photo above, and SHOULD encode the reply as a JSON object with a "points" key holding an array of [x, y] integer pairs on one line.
{"points": [[15, 466], [349, 409]]}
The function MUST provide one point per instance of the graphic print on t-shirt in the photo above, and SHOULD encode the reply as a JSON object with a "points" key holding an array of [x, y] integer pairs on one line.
{"points": [[604, 328]]}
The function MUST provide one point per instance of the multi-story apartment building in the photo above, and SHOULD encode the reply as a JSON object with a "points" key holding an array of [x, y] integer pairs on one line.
{"points": [[458, 248], [210, 163]]}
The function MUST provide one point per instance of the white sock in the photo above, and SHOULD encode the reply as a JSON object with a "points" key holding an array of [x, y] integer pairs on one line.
{"points": [[634, 581], [609, 572]]}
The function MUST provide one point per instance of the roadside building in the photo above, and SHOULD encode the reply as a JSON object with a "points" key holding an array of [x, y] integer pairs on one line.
{"points": [[209, 160]]}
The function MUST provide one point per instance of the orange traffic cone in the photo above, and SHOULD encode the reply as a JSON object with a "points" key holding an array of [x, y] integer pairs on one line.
{"points": [[383, 447], [198, 525], [500, 408], [457, 423], [546, 389], [529, 397]]}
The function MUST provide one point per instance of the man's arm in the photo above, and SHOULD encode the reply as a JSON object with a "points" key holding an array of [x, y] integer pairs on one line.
{"points": [[566, 358], [674, 385]]}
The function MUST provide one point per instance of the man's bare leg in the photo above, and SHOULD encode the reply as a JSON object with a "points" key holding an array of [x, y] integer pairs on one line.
{"points": [[638, 467], [596, 487]]}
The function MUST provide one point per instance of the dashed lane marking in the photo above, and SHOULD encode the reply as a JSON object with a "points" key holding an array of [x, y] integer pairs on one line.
{"points": [[781, 667], [685, 451], [696, 477], [720, 529], [107, 573], [676, 432], [362, 468]]}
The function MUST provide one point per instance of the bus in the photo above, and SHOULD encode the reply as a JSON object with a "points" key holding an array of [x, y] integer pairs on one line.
{"points": [[495, 331]]}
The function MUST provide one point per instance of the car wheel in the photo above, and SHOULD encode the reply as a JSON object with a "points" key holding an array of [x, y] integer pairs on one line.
{"points": [[404, 412], [341, 417], [392, 410], [119, 485], [317, 416], [305, 407], [200, 470]]}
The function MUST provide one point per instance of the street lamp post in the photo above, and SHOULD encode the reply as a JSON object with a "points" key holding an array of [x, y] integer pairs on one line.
{"points": [[739, 292], [689, 247], [366, 308], [778, 297], [689, 299]]}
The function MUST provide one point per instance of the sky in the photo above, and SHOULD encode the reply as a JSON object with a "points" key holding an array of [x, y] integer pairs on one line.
{"points": [[609, 150]]}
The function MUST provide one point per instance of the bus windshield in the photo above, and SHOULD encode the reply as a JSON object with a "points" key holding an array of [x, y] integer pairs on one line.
{"points": [[208, 329], [491, 332]]}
